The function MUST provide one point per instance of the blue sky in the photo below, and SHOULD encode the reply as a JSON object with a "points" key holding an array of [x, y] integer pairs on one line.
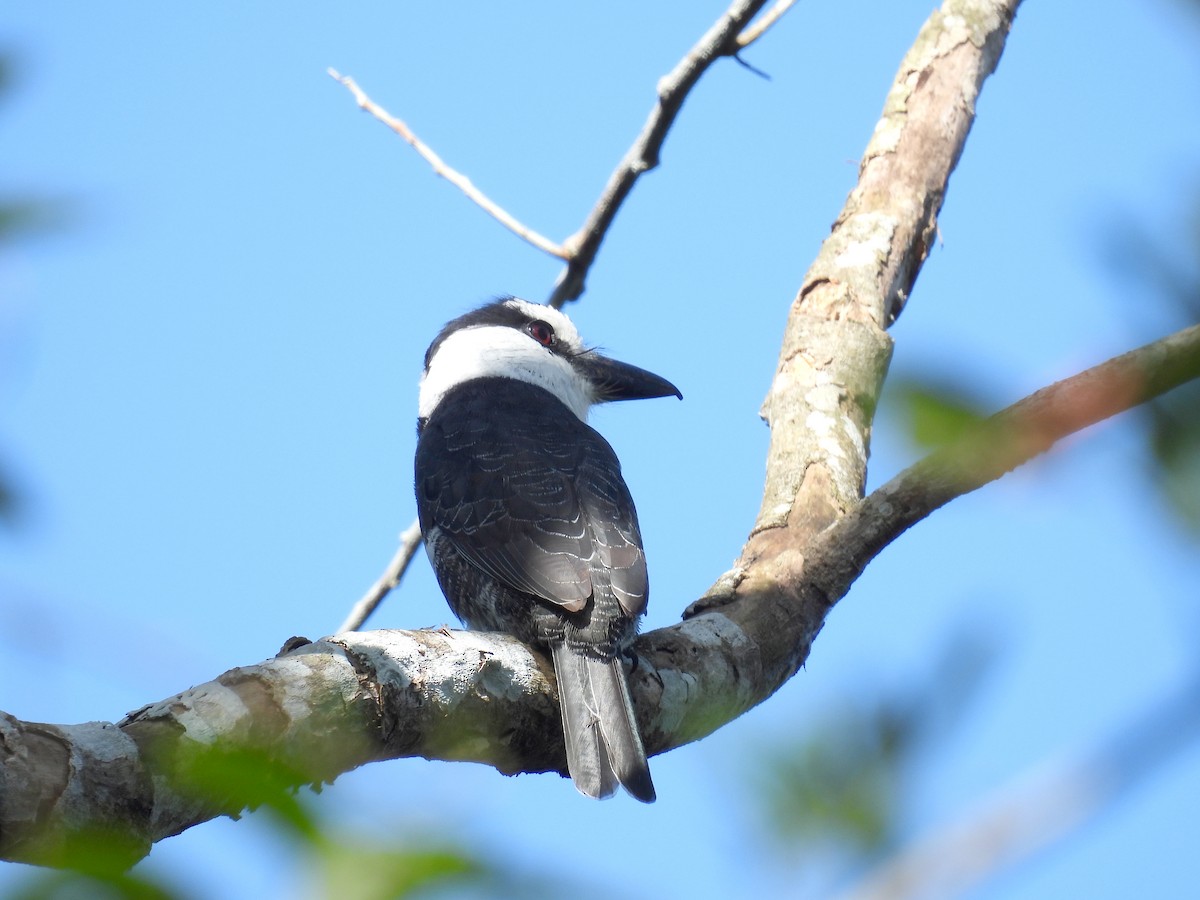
{"points": [[208, 379]]}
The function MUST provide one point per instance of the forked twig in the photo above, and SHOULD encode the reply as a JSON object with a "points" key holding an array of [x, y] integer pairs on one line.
{"points": [[731, 33], [720, 40], [757, 29]]}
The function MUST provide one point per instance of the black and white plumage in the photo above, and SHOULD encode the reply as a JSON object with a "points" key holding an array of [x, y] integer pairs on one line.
{"points": [[527, 520]]}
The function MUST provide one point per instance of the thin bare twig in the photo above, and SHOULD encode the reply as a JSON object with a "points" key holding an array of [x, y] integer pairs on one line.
{"points": [[730, 34], [720, 40], [459, 180], [759, 28], [410, 540]]}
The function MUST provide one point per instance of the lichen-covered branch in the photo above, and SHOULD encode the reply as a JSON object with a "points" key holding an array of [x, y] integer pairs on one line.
{"points": [[313, 712], [317, 710], [320, 709]]}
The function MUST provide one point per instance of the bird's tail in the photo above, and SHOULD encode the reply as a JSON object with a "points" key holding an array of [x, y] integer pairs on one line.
{"points": [[604, 748]]}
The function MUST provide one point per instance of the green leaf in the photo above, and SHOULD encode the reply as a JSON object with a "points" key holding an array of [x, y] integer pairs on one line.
{"points": [[936, 414]]}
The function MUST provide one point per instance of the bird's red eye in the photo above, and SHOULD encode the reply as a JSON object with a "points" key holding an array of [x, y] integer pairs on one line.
{"points": [[542, 332]]}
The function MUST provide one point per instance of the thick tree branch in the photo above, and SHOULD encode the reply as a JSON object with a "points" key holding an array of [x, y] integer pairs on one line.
{"points": [[323, 708], [835, 350], [317, 710], [304, 717]]}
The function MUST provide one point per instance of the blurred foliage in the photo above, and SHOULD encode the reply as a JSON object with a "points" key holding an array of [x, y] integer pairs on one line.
{"points": [[17, 217], [20, 217], [9, 500], [1173, 425], [839, 791], [936, 412], [837, 788], [54, 885], [1169, 276], [331, 862], [10, 220]]}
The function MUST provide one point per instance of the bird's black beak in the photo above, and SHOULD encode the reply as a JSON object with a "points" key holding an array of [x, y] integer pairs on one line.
{"points": [[612, 380]]}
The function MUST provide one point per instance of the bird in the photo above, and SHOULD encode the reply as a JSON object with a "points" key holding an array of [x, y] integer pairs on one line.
{"points": [[527, 520]]}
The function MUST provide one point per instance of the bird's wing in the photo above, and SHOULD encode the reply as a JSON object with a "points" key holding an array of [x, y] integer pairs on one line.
{"points": [[612, 520], [536, 500]]}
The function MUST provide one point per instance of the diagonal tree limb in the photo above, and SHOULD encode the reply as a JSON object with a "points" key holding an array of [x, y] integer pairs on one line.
{"points": [[835, 351]]}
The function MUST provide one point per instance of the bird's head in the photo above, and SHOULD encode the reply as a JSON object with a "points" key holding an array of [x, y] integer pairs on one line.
{"points": [[512, 338]]}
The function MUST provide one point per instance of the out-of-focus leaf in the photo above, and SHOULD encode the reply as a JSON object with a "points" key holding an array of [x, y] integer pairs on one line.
{"points": [[62, 885], [840, 786], [258, 780], [1171, 277], [936, 414], [389, 864], [374, 872], [19, 217], [336, 865], [1174, 437], [9, 502]]}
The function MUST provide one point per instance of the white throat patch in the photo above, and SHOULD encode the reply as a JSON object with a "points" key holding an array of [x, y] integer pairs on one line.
{"points": [[499, 351]]}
